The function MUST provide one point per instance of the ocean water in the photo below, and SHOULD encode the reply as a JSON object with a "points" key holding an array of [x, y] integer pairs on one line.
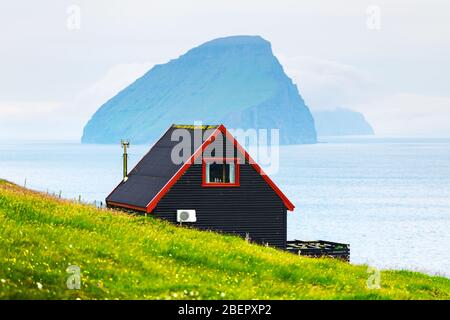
{"points": [[388, 197]]}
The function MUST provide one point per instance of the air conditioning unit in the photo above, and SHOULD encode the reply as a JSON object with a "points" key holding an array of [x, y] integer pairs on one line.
{"points": [[186, 216]]}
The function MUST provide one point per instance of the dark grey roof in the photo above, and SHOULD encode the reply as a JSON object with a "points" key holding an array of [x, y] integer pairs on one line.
{"points": [[155, 169]]}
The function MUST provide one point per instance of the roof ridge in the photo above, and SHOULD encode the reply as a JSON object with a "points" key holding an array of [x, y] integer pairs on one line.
{"points": [[193, 126]]}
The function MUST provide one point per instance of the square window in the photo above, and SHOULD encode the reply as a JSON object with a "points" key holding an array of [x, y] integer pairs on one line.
{"points": [[220, 172]]}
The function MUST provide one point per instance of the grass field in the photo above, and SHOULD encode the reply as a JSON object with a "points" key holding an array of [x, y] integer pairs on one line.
{"points": [[128, 257]]}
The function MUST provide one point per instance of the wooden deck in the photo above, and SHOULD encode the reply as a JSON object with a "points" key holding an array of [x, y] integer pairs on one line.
{"points": [[320, 248]]}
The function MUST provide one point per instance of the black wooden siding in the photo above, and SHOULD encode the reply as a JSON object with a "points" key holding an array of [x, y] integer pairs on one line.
{"points": [[252, 208]]}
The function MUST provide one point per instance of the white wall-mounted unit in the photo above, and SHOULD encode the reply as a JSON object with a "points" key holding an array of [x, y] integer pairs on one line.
{"points": [[186, 216]]}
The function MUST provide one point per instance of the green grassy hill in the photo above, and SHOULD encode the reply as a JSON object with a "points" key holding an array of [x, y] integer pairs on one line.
{"points": [[127, 257]]}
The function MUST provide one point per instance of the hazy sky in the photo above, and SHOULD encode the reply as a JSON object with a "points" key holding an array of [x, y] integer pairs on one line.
{"points": [[387, 59]]}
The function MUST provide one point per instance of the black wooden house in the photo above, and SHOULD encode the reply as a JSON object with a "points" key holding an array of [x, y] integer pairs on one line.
{"points": [[217, 186]]}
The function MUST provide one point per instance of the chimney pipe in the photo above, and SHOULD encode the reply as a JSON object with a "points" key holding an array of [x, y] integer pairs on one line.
{"points": [[125, 144]]}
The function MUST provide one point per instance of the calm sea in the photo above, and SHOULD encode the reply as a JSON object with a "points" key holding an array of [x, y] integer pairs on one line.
{"points": [[388, 197]]}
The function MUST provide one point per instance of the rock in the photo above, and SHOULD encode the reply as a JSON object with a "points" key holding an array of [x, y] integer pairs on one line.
{"points": [[235, 81], [341, 122]]}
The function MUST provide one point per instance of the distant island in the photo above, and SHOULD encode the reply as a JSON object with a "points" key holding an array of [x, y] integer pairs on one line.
{"points": [[341, 122], [235, 81]]}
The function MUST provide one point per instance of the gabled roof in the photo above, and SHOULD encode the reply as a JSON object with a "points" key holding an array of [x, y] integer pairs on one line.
{"points": [[156, 173]]}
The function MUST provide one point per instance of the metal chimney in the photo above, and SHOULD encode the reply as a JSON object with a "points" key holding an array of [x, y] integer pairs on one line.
{"points": [[125, 144]]}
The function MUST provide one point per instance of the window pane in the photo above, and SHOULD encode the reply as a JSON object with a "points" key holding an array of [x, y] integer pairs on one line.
{"points": [[208, 180], [226, 173], [231, 174], [220, 172], [216, 174]]}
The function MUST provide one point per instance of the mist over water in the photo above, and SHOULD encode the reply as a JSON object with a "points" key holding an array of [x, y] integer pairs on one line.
{"points": [[389, 198]]}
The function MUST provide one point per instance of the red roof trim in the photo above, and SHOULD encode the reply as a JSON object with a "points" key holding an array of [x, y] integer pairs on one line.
{"points": [[152, 204], [127, 206], [221, 129], [288, 204]]}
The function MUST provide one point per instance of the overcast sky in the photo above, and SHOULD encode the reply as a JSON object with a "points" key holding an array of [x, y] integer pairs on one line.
{"points": [[387, 59]]}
